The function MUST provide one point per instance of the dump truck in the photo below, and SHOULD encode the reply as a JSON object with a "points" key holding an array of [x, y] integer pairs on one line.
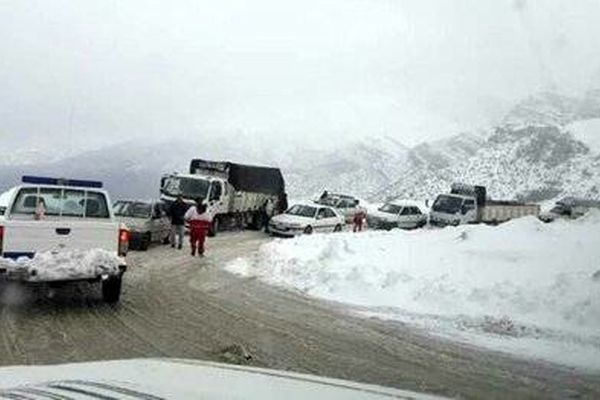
{"points": [[235, 194], [469, 204]]}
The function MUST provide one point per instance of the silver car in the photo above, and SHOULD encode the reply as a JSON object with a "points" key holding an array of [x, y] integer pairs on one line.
{"points": [[147, 221]]}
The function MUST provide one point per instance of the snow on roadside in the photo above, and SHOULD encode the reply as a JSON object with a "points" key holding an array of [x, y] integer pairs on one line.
{"points": [[523, 285], [67, 265]]}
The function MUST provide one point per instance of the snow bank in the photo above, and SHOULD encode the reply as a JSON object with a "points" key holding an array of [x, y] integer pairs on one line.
{"points": [[68, 265], [522, 279]]}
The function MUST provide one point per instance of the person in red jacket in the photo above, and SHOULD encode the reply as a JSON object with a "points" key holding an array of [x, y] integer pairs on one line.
{"points": [[199, 222], [358, 220]]}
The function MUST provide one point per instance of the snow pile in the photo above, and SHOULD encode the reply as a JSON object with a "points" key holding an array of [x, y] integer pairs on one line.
{"points": [[68, 265], [522, 279]]}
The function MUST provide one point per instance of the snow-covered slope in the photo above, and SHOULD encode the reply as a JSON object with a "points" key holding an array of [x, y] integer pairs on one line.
{"points": [[588, 132], [360, 168], [532, 163]]}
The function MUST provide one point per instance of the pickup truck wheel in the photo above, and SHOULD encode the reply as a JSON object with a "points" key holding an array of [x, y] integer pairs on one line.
{"points": [[214, 228], [308, 230], [111, 289]]}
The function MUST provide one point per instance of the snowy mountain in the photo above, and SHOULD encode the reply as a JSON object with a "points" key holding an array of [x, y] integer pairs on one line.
{"points": [[546, 146], [552, 109]]}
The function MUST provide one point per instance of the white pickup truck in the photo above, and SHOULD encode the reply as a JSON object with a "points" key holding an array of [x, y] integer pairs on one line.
{"points": [[57, 231], [468, 204]]}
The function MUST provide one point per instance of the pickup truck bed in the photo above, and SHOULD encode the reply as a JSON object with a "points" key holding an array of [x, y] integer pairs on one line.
{"points": [[497, 212]]}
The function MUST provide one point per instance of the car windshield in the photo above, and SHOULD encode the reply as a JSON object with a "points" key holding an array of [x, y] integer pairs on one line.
{"points": [[190, 188], [390, 208], [447, 204], [302, 211], [132, 209]]}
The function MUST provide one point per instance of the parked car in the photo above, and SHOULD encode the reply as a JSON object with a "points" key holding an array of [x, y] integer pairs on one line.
{"points": [[147, 222], [345, 205], [405, 215], [306, 219], [58, 217]]}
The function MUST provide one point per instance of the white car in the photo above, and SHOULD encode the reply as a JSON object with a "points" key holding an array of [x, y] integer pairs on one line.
{"points": [[307, 219], [405, 215], [65, 223], [147, 222]]}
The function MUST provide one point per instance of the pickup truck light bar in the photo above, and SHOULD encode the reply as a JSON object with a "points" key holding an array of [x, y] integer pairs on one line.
{"points": [[41, 180]]}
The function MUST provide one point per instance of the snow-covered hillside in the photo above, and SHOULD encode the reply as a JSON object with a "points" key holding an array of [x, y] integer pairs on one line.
{"points": [[532, 163], [546, 146]]}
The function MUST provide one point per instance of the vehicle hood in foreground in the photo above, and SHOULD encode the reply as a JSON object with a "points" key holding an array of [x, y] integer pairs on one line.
{"points": [[156, 379]]}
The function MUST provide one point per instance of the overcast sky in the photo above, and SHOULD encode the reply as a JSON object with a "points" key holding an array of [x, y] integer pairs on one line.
{"points": [[84, 73]]}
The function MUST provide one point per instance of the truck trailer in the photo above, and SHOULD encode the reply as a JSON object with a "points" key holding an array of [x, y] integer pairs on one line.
{"points": [[234, 193], [469, 204]]}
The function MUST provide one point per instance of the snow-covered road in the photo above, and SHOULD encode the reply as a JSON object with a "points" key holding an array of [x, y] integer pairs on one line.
{"points": [[176, 306]]}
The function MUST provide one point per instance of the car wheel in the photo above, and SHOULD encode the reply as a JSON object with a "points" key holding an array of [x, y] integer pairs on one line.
{"points": [[338, 228], [111, 289], [308, 230], [145, 241]]}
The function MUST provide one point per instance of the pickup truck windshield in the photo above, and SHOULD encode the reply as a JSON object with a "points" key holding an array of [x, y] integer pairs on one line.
{"points": [[302, 211], [447, 204], [390, 209], [132, 209], [190, 188]]}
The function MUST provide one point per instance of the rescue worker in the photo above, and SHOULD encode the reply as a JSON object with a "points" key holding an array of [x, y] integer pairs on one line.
{"points": [[177, 211], [358, 220], [199, 222]]}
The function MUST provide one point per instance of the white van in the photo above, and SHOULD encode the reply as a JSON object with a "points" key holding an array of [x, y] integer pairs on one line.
{"points": [[54, 218]]}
